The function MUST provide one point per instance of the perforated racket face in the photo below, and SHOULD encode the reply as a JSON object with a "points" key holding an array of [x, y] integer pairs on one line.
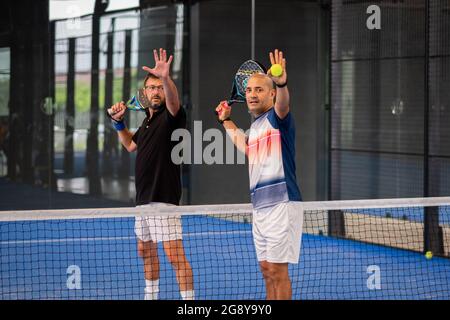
{"points": [[245, 71], [139, 102], [143, 99]]}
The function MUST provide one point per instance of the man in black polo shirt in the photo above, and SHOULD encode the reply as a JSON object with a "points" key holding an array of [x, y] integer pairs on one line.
{"points": [[157, 177]]}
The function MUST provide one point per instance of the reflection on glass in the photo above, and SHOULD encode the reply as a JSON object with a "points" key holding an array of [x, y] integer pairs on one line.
{"points": [[4, 111]]}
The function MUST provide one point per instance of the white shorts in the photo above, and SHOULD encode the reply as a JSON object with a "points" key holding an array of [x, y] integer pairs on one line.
{"points": [[277, 233], [158, 228]]}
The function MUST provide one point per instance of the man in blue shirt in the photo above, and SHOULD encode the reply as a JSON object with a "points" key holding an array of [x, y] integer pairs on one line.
{"points": [[270, 148]]}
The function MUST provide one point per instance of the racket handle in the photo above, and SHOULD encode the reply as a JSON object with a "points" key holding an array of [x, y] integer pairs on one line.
{"points": [[109, 111], [113, 113], [228, 103]]}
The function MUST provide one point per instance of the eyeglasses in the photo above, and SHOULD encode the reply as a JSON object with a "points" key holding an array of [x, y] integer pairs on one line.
{"points": [[153, 88]]}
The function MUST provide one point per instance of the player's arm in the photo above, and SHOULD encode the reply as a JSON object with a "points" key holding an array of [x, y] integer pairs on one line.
{"points": [[171, 93], [117, 113], [236, 135], [125, 137], [282, 97], [162, 71]]}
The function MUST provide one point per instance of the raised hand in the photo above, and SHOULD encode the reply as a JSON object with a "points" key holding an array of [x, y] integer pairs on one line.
{"points": [[162, 64], [276, 57]]}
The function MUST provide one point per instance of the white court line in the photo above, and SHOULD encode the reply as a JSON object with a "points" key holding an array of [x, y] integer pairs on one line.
{"points": [[195, 234]]}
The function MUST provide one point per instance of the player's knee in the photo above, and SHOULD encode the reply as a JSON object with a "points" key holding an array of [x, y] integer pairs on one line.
{"points": [[276, 274], [278, 277], [270, 274], [140, 249], [145, 251], [175, 254], [265, 269], [178, 261]]}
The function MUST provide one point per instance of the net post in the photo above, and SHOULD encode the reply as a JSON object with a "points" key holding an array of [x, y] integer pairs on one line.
{"points": [[433, 235], [253, 23], [124, 173], [336, 223], [69, 122]]}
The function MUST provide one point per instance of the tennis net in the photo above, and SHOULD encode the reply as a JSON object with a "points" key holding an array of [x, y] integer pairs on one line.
{"points": [[362, 249]]}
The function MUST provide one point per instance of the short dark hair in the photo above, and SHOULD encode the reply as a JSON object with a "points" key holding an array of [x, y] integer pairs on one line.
{"points": [[149, 76]]}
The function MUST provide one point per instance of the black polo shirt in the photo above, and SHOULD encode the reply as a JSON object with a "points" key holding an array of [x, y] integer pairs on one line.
{"points": [[157, 177]]}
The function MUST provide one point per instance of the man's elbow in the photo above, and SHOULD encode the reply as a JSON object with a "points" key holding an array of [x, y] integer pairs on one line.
{"points": [[282, 112], [174, 109]]}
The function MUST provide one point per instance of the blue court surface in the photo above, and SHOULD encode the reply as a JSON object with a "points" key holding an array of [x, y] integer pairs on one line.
{"points": [[35, 257], [415, 214]]}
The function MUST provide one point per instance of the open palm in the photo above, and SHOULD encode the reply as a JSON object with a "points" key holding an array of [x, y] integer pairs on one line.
{"points": [[162, 64], [277, 58]]}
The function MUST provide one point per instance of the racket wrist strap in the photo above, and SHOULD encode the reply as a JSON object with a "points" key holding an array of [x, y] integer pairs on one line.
{"points": [[118, 125], [282, 85], [222, 121]]}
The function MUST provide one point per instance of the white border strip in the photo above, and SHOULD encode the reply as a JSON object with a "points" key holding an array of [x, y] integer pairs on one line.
{"points": [[126, 212], [376, 203], [219, 209]]}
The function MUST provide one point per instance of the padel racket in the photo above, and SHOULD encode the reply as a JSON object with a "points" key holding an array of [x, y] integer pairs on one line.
{"points": [[139, 102], [245, 71]]}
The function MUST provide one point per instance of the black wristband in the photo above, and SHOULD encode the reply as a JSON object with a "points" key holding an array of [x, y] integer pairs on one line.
{"points": [[281, 85], [222, 121]]}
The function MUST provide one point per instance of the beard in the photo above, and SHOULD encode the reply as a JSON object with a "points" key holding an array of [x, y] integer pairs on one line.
{"points": [[156, 102]]}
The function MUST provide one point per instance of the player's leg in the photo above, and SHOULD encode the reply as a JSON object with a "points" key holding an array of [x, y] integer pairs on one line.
{"points": [[148, 251], [260, 242], [177, 257], [278, 276], [277, 230], [270, 289], [169, 232]]}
